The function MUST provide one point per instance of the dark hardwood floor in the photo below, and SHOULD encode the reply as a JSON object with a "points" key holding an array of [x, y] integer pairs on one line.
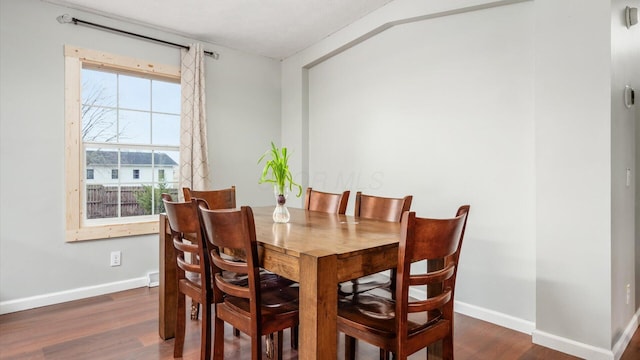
{"points": [[125, 326]]}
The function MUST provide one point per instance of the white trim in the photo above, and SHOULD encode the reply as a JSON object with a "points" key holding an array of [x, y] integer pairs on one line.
{"points": [[153, 279], [477, 312], [621, 345], [495, 317], [571, 347], [70, 295]]}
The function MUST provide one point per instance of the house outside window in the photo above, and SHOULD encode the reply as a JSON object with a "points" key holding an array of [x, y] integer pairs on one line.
{"points": [[161, 175], [127, 123]]}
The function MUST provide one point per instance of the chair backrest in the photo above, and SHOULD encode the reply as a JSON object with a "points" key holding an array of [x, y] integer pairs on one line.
{"points": [[188, 242], [233, 229], [431, 240], [381, 208], [326, 202], [216, 199]]}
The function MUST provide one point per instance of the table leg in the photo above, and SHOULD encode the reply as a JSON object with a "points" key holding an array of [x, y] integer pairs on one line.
{"points": [[318, 306], [434, 351], [168, 294]]}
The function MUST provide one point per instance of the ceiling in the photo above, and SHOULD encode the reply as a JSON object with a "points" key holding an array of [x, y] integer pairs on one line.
{"points": [[272, 28]]}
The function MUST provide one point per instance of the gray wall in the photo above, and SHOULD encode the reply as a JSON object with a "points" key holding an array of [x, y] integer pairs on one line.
{"points": [[537, 81], [36, 265], [449, 120], [625, 62]]}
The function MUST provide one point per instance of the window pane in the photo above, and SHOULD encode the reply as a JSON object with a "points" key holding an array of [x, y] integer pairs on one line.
{"points": [[135, 127], [136, 163], [166, 129], [134, 93], [99, 124], [134, 200], [102, 163], [102, 201], [168, 161], [98, 88], [166, 97]]}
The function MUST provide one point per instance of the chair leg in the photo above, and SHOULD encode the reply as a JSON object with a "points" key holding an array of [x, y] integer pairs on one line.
{"points": [[349, 348], [274, 345], [385, 355], [269, 346], [178, 344], [205, 332], [294, 337], [280, 342], [256, 347], [218, 339], [447, 348], [195, 310]]}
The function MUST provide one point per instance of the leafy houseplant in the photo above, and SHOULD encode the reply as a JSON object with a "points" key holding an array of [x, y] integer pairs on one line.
{"points": [[276, 171]]}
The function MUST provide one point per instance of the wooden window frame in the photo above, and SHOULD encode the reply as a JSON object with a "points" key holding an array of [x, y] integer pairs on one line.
{"points": [[75, 58]]}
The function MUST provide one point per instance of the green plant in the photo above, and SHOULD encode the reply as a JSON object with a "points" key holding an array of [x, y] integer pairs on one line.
{"points": [[144, 198], [276, 171]]}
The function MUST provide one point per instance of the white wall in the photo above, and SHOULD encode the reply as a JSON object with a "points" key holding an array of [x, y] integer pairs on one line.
{"points": [[36, 265], [448, 119], [535, 81], [625, 60]]}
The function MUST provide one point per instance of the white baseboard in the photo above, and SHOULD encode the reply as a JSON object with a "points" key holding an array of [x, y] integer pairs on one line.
{"points": [[70, 295], [571, 347], [621, 344], [477, 312], [494, 317], [153, 279], [585, 351]]}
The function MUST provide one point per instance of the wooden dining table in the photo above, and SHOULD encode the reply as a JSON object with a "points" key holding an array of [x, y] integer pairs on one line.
{"points": [[316, 249]]}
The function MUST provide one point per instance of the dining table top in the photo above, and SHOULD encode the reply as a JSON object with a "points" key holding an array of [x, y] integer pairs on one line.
{"points": [[361, 246], [310, 230]]}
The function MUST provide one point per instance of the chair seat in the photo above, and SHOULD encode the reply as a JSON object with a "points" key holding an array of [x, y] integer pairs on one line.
{"points": [[268, 280], [375, 311], [364, 284], [277, 303]]}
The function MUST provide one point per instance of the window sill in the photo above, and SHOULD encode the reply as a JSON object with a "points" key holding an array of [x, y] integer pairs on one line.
{"points": [[112, 231]]}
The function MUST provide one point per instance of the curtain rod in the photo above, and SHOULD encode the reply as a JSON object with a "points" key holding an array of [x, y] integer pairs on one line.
{"points": [[67, 19]]}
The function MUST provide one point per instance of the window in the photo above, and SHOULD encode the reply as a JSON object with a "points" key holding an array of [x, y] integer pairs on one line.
{"points": [[128, 122], [160, 175]]}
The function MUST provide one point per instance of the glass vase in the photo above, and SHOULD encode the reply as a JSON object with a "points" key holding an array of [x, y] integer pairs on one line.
{"points": [[280, 213]]}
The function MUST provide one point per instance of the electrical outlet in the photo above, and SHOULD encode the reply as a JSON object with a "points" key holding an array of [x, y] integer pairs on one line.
{"points": [[628, 293], [115, 258]]}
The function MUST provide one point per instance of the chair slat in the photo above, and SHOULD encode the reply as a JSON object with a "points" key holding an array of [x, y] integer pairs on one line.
{"points": [[433, 277]]}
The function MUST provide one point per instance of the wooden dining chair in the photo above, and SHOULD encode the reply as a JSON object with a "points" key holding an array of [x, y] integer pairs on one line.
{"points": [[216, 199], [399, 324], [326, 202], [382, 209], [193, 277], [252, 309]]}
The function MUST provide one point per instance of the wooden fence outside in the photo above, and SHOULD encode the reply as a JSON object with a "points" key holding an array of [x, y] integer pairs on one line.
{"points": [[102, 201]]}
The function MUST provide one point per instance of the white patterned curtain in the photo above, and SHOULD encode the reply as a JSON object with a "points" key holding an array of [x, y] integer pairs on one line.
{"points": [[194, 168]]}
